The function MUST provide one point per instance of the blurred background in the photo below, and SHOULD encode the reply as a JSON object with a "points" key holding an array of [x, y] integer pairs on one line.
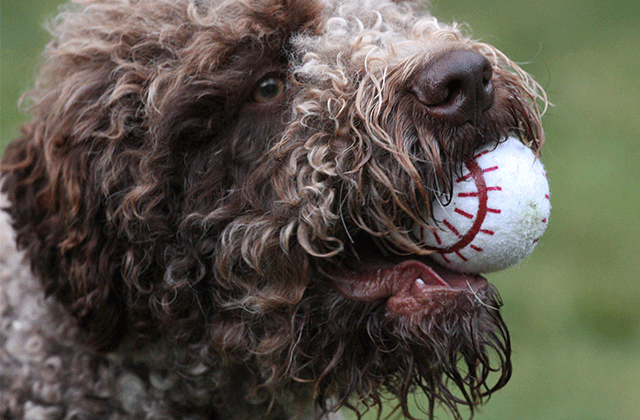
{"points": [[573, 307]]}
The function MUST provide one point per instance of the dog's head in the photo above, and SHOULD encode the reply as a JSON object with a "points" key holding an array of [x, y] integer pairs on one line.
{"points": [[242, 176]]}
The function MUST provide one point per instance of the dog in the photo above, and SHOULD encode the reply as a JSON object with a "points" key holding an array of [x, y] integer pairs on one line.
{"points": [[209, 214]]}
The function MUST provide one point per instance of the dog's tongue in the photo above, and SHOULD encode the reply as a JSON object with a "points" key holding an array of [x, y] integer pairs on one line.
{"points": [[405, 284]]}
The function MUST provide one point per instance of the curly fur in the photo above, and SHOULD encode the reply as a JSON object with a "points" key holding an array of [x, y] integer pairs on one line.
{"points": [[188, 236]]}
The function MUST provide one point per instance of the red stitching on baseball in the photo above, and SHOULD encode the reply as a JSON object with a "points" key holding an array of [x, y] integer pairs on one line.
{"points": [[480, 154], [464, 178], [475, 248], [435, 234], [451, 228], [467, 194], [463, 213], [475, 194], [487, 232], [496, 211], [461, 256], [478, 176]]}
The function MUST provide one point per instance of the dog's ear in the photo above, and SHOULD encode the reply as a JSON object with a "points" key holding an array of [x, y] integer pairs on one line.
{"points": [[59, 222]]}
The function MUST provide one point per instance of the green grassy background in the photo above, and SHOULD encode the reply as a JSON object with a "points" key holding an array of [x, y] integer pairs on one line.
{"points": [[573, 306]]}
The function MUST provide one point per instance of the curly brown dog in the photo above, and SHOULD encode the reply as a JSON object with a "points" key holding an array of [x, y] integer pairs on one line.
{"points": [[214, 198]]}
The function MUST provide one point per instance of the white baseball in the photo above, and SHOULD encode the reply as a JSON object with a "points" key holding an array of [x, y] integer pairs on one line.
{"points": [[498, 210]]}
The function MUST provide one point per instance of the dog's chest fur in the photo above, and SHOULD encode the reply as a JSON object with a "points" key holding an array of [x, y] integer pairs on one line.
{"points": [[47, 373]]}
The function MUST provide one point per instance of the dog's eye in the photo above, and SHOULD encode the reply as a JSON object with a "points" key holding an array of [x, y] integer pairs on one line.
{"points": [[269, 89]]}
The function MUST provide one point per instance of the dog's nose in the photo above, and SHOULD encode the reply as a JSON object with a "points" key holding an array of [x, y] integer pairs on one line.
{"points": [[456, 86]]}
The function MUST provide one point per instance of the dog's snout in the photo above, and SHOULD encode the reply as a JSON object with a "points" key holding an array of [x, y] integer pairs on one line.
{"points": [[455, 87]]}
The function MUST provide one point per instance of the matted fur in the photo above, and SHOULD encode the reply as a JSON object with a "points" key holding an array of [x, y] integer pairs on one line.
{"points": [[190, 236]]}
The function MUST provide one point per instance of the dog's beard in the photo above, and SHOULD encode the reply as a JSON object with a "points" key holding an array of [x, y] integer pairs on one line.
{"points": [[457, 353]]}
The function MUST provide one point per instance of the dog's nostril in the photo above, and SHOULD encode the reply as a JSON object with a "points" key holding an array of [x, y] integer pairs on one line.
{"points": [[456, 86]]}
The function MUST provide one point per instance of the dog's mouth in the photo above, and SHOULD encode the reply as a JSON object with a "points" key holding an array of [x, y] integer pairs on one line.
{"points": [[411, 284]]}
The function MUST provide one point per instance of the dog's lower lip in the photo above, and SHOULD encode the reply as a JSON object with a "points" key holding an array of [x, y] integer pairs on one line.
{"points": [[369, 282]]}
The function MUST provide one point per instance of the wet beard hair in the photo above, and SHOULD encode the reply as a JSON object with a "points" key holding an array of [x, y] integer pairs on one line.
{"points": [[456, 353]]}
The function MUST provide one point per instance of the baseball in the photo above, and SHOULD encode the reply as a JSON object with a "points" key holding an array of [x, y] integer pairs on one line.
{"points": [[498, 210]]}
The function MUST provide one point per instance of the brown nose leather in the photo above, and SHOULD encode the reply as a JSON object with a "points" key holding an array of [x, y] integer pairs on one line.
{"points": [[456, 86]]}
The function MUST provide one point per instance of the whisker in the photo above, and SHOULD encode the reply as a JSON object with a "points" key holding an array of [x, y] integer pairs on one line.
{"points": [[478, 297]]}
